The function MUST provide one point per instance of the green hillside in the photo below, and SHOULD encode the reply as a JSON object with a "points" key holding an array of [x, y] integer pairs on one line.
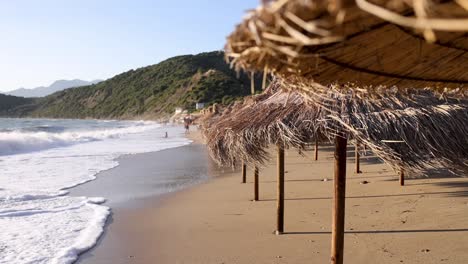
{"points": [[15, 106], [150, 92]]}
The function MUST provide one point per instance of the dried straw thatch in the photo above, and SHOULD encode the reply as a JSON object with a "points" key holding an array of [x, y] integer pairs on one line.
{"points": [[414, 138], [222, 114], [366, 43], [412, 132], [433, 127], [274, 117]]}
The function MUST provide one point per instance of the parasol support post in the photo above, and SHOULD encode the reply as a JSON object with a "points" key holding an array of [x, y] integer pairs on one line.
{"points": [[402, 177], [280, 192], [264, 79], [244, 173], [402, 171], [316, 150], [339, 182], [256, 183], [358, 157], [252, 83]]}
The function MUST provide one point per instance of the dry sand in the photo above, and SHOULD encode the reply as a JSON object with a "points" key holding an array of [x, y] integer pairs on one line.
{"points": [[216, 222]]}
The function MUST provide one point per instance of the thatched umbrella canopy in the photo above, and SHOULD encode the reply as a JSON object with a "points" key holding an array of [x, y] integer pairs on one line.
{"points": [[428, 126], [366, 43], [273, 118], [415, 138]]}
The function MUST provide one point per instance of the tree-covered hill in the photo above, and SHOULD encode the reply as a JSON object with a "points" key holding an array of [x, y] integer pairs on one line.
{"points": [[149, 92], [15, 106]]}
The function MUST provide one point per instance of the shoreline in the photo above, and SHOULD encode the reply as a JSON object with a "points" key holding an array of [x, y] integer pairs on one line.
{"points": [[142, 197], [216, 221], [93, 188]]}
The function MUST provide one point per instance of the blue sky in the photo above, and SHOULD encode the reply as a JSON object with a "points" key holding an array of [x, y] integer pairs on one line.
{"points": [[46, 40]]}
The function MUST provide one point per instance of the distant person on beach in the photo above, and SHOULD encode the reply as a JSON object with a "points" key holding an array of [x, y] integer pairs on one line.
{"points": [[165, 136], [187, 122]]}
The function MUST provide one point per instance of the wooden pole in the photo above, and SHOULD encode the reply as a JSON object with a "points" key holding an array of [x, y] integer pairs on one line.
{"points": [[256, 183], [338, 216], [252, 83], [280, 193], [358, 156], [402, 171], [316, 149], [252, 89], [264, 79], [402, 177], [244, 173]]}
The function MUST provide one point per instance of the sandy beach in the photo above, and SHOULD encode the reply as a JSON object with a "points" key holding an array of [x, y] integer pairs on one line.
{"points": [[216, 221], [168, 132]]}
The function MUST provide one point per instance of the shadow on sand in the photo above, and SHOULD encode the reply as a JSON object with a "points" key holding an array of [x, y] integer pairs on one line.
{"points": [[449, 194], [381, 231]]}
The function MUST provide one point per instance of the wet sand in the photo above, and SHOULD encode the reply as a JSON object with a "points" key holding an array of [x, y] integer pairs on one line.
{"points": [[216, 221], [142, 181]]}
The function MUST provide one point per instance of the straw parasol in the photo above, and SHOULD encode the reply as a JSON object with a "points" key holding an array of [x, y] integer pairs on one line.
{"points": [[273, 118], [349, 51], [341, 42], [286, 119], [429, 127], [425, 123], [214, 117]]}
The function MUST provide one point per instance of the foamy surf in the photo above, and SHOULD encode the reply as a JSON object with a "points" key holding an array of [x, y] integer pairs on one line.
{"points": [[38, 163], [53, 230], [20, 141]]}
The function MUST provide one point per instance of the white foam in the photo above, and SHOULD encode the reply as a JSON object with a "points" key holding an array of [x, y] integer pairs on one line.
{"points": [[41, 223], [12, 142], [53, 230]]}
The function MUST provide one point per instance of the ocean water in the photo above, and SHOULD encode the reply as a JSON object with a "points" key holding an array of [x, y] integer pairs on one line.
{"points": [[40, 159]]}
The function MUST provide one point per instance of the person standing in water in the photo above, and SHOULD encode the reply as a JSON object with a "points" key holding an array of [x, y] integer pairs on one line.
{"points": [[187, 122]]}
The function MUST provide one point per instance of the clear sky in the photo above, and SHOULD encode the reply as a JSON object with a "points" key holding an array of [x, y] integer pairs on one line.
{"points": [[46, 40]]}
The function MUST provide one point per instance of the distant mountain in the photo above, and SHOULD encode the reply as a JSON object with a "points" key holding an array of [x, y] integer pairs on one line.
{"points": [[54, 87], [149, 92]]}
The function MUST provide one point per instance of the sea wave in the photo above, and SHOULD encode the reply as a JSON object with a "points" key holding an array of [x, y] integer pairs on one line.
{"points": [[54, 230], [23, 141]]}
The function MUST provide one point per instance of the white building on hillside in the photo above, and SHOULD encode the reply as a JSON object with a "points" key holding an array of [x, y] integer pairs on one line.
{"points": [[199, 106]]}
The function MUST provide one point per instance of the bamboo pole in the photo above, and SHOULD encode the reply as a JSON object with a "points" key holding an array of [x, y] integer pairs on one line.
{"points": [[316, 149], [358, 157], [402, 177], [339, 201], [256, 183], [244, 173], [280, 193]]}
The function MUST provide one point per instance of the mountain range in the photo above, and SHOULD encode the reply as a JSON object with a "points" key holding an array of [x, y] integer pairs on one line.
{"points": [[145, 93], [57, 86]]}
